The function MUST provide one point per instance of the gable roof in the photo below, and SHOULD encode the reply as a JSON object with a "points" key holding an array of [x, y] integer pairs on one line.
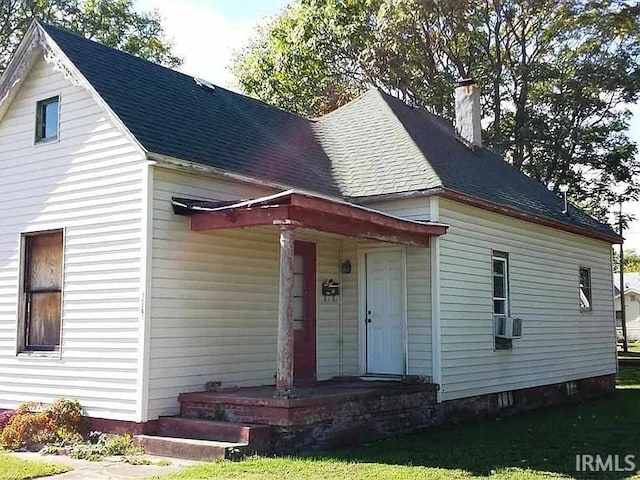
{"points": [[169, 114], [375, 145], [631, 283]]}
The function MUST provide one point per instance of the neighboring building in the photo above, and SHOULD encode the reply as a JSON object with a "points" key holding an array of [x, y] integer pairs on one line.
{"points": [[631, 303], [158, 233]]}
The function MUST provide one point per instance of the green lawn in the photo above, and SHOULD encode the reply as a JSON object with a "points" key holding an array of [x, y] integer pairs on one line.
{"points": [[538, 445], [12, 468], [633, 350]]}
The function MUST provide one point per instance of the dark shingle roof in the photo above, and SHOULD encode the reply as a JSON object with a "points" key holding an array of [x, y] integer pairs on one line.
{"points": [[371, 146], [395, 148], [170, 115]]}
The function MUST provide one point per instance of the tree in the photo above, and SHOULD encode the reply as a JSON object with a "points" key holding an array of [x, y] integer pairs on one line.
{"points": [[555, 74], [112, 22], [631, 261]]}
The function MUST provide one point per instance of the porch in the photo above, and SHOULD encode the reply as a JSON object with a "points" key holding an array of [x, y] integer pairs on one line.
{"points": [[380, 279], [329, 414], [341, 301]]}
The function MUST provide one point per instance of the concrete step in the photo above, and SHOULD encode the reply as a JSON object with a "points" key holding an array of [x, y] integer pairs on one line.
{"points": [[189, 448], [258, 437]]}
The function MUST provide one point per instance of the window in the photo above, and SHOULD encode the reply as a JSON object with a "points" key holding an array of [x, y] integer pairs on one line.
{"points": [[298, 292], [47, 120], [500, 284], [42, 291], [500, 275], [585, 289]]}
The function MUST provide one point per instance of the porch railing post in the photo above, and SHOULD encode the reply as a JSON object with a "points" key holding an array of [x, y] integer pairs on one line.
{"points": [[285, 342]]}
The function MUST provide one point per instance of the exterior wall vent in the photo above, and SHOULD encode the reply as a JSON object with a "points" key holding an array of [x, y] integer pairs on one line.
{"points": [[505, 399]]}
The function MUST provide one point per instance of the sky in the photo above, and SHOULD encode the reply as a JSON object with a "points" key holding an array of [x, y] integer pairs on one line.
{"points": [[206, 33]]}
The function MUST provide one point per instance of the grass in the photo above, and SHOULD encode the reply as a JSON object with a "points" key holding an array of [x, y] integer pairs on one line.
{"points": [[533, 446], [12, 468], [633, 350]]}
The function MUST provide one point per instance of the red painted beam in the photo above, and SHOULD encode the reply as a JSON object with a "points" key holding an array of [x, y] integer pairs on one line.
{"points": [[322, 215], [239, 218], [352, 227], [364, 215]]}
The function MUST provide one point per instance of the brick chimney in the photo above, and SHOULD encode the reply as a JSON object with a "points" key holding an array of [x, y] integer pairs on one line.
{"points": [[468, 112]]}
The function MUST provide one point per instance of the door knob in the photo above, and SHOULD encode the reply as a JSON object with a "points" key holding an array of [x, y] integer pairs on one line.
{"points": [[368, 320]]}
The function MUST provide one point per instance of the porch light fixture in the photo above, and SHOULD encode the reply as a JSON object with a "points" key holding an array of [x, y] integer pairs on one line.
{"points": [[346, 266]]}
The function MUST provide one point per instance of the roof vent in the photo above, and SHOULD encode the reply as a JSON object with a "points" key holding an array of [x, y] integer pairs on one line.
{"points": [[202, 83]]}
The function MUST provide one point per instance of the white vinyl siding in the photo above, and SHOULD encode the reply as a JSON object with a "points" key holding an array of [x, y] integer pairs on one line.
{"points": [[351, 319], [418, 284], [419, 310], [89, 183], [411, 208], [215, 297], [559, 343]]}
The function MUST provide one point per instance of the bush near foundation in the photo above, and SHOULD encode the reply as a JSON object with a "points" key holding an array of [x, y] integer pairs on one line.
{"points": [[34, 424], [4, 418]]}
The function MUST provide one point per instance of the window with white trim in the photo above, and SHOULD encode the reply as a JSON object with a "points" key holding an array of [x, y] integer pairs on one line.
{"points": [[585, 289], [47, 119], [500, 284], [501, 304]]}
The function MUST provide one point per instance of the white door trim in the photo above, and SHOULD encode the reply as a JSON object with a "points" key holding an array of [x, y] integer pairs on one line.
{"points": [[362, 301]]}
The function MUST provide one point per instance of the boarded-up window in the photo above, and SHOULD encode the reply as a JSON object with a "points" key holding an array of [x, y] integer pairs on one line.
{"points": [[42, 291]]}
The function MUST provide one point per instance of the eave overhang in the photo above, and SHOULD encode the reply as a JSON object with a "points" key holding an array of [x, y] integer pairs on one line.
{"points": [[308, 211]]}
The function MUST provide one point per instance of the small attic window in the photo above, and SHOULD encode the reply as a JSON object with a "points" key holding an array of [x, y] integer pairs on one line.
{"points": [[47, 119]]}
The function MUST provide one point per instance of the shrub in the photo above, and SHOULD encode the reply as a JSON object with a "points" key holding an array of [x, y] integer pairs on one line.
{"points": [[105, 445], [34, 423], [4, 418], [120, 445]]}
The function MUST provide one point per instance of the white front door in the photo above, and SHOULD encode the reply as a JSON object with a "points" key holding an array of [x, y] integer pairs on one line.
{"points": [[385, 312]]}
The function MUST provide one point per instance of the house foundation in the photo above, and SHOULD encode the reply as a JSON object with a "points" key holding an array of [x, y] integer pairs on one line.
{"points": [[323, 416], [525, 399], [337, 413], [333, 415]]}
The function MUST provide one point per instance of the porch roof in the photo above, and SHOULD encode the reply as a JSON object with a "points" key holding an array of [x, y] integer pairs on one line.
{"points": [[310, 211]]}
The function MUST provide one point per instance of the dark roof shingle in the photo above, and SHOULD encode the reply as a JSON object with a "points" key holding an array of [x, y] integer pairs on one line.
{"points": [[374, 145], [170, 115]]}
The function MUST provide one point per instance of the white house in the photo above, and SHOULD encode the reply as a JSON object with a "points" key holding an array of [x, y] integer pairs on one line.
{"points": [[159, 233], [631, 303]]}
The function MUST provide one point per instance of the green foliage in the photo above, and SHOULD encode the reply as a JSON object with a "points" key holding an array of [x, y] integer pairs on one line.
{"points": [[136, 460], [35, 423], [537, 445], [115, 23], [555, 75], [12, 468], [631, 261], [105, 445], [306, 60]]}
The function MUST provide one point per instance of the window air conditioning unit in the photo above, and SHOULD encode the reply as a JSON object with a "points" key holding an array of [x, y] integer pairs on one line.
{"points": [[508, 327]]}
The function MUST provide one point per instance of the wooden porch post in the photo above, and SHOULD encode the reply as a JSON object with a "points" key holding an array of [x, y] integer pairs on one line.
{"points": [[284, 367]]}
